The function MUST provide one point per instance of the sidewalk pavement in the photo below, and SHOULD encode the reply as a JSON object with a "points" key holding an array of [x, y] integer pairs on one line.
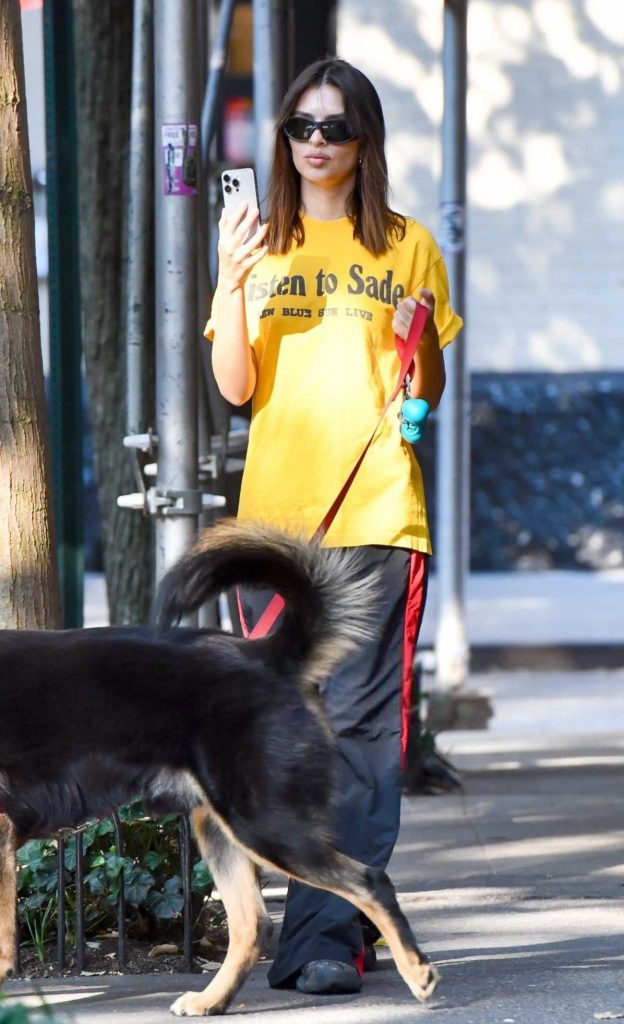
{"points": [[515, 887]]}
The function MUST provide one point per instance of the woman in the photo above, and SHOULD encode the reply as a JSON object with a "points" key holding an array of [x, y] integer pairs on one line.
{"points": [[303, 322]]}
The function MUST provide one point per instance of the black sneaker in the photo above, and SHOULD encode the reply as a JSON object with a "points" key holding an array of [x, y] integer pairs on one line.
{"points": [[328, 977]]}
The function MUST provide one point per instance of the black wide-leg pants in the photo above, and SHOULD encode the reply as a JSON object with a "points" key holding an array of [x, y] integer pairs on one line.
{"points": [[367, 704]]}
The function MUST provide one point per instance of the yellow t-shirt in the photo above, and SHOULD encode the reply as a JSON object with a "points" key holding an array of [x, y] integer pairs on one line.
{"points": [[320, 323]]}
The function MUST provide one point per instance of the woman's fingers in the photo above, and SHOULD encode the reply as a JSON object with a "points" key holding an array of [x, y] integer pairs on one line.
{"points": [[234, 226], [401, 324], [233, 218], [427, 299], [404, 313], [403, 316], [238, 250], [256, 239], [237, 253], [247, 222], [233, 231], [254, 257]]}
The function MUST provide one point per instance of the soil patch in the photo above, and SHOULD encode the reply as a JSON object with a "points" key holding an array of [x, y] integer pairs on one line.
{"points": [[102, 957]]}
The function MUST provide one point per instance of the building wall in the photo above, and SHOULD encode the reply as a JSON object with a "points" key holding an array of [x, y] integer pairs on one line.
{"points": [[546, 165]]}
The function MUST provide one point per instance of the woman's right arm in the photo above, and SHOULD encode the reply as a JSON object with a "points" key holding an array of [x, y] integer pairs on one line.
{"points": [[232, 356]]}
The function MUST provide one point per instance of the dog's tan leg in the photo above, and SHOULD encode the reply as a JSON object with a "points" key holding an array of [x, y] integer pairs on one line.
{"points": [[8, 895], [371, 891], [248, 922]]}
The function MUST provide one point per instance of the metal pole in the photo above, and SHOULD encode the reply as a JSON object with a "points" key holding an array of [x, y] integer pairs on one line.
{"points": [[176, 212], [452, 491], [215, 406], [66, 426], [216, 71], [272, 60], [139, 214], [207, 615]]}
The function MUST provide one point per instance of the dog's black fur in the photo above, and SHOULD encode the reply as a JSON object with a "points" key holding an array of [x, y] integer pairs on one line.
{"points": [[201, 722]]}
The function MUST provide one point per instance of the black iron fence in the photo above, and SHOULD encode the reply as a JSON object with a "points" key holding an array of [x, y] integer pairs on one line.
{"points": [[77, 837]]}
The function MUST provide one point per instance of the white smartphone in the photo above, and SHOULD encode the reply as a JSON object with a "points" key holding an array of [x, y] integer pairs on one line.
{"points": [[239, 185]]}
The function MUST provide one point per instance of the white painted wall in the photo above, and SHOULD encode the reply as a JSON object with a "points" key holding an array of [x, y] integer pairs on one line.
{"points": [[546, 165]]}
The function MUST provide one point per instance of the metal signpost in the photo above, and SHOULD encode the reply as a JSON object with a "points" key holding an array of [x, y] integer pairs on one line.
{"points": [[452, 490], [139, 214], [176, 212]]}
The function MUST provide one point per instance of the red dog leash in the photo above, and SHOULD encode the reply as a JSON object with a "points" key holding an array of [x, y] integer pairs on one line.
{"points": [[407, 351]]}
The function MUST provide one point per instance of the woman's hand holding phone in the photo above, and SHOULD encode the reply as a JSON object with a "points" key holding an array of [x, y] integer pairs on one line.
{"points": [[240, 231], [240, 246], [241, 238]]}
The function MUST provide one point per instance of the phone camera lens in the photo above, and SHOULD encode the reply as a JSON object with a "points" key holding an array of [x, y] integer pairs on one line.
{"points": [[236, 183], [228, 188], [226, 177]]}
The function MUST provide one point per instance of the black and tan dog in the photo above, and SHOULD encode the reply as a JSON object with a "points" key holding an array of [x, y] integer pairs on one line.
{"points": [[201, 722]]}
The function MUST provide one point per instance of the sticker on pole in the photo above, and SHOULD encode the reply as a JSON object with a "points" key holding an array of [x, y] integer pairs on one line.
{"points": [[452, 227], [179, 156]]}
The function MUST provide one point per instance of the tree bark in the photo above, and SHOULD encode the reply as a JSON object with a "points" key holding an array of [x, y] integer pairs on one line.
{"points": [[103, 39], [29, 592]]}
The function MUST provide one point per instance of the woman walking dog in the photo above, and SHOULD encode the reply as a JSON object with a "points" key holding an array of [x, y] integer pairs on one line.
{"points": [[303, 323]]}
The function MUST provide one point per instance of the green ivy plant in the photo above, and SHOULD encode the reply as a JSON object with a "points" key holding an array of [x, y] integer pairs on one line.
{"points": [[149, 866]]}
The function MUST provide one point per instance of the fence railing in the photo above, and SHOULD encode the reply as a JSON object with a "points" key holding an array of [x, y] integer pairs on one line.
{"points": [[186, 865]]}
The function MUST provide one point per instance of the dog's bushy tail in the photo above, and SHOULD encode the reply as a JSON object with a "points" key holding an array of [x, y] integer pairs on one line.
{"points": [[328, 603]]}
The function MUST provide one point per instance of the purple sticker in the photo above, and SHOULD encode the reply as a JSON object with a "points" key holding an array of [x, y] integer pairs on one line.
{"points": [[179, 154]]}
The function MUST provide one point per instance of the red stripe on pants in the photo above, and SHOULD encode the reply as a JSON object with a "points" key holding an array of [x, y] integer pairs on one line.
{"points": [[414, 608]]}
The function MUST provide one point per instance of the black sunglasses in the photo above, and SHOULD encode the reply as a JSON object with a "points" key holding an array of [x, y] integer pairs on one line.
{"points": [[301, 129]]}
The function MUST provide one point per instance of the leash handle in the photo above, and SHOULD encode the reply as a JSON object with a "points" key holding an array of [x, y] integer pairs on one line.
{"points": [[407, 351]]}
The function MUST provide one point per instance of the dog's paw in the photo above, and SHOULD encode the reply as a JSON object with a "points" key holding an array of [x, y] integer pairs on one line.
{"points": [[7, 968], [193, 1004], [423, 984]]}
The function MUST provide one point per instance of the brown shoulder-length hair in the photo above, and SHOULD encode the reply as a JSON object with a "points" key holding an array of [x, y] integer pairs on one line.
{"points": [[375, 225]]}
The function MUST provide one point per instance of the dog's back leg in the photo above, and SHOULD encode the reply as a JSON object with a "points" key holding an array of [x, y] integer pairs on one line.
{"points": [[249, 924], [372, 892], [8, 897], [311, 859]]}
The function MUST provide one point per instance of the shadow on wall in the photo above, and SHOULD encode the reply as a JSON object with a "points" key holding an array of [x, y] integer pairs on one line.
{"points": [[546, 148]]}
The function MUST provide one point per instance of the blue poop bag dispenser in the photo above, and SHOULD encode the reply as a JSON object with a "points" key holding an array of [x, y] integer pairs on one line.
{"points": [[413, 418]]}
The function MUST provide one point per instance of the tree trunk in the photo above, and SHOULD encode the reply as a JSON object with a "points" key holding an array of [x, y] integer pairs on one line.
{"points": [[103, 38], [29, 593]]}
